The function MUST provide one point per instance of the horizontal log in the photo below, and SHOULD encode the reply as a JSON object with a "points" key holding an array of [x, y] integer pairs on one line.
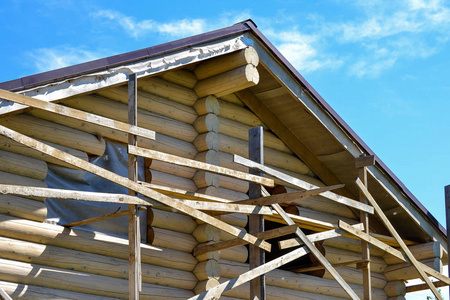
{"points": [[205, 285], [232, 98], [220, 192], [172, 169], [209, 255], [55, 133], [204, 179], [226, 62], [166, 179], [68, 259], [239, 114], [272, 157], [235, 219], [11, 146], [424, 286], [219, 208], [207, 105], [228, 82], [207, 269], [152, 103], [31, 292], [335, 255], [169, 90], [234, 184], [23, 208], [207, 141], [9, 178], [205, 233], [205, 123], [318, 215], [119, 111], [405, 271], [297, 281], [23, 165], [91, 242], [420, 252], [352, 275], [180, 76], [172, 221], [76, 114], [171, 239], [209, 156], [352, 244], [224, 236], [82, 282]]}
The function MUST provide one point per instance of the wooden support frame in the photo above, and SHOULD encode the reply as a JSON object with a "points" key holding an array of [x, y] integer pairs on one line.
{"points": [[302, 184], [125, 182], [101, 218], [185, 162], [4, 295], [77, 114], [229, 207], [394, 233], [424, 286], [392, 251]]}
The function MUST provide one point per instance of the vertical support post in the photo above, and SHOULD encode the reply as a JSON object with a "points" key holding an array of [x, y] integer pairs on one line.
{"points": [[361, 163], [447, 215], [134, 237], [256, 222]]}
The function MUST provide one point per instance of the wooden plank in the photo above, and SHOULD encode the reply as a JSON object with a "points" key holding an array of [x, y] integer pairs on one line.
{"points": [[215, 292], [101, 218], [342, 264], [392, 251], [77, 114], [185, 162], [424, 286], [315, 237], [394, 233], [30, 191], [365, 161], [287, 198], [317, 253], [125, 182], [256, 222], [4, 295], [302, 184], [269, 234], [229, 207], [134, 236]]}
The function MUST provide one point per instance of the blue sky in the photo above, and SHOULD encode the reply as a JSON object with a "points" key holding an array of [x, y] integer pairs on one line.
{"points": [[384, 66]]}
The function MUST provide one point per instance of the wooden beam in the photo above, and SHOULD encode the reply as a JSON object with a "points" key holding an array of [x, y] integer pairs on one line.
{"points": [[101, 218], [310, 246], [185, 162], [125, 182], [265, 235], [365, 161], [424, 286], [342, 264], [77, 114], [229, 207], [392, 251], [215, 292], [256, 222], [394, 233], [315, 237], [4, 295], [288, 137], [287, 198], [302, 184]]}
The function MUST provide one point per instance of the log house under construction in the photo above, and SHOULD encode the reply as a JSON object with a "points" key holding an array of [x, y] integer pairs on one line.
{"points": [[204, 168]]}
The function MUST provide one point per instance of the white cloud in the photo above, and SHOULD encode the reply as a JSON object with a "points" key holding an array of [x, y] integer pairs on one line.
{"points": [[45, 59]]}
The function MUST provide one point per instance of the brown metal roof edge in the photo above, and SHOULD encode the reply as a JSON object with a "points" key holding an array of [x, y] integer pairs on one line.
{"points": [[248, 25], [342, 123]]}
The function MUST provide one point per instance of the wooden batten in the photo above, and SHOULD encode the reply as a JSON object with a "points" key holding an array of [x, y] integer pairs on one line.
{"points": [[68, 259], [226, 62], [11, 146], [82, 282], [55, 133], [172, 169], [420, 252], [167, 89], [228, 82], [224, 236], [401, 297], [239, 114], [352, 275], [9, 178], [223, 193], [171, 239], [405, 271], [207, 141], [205, 123], [23, 208], [152, 103], [181, 77], [28, 292], [172, 221], [239, 130], [91, 242], [273, 157], [335, 256], [118, 111], [166, 179], [23, 165], [207, 105], [318, 215]]}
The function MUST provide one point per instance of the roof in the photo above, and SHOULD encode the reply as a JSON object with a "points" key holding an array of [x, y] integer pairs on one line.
{"points": [[247, 27]]}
